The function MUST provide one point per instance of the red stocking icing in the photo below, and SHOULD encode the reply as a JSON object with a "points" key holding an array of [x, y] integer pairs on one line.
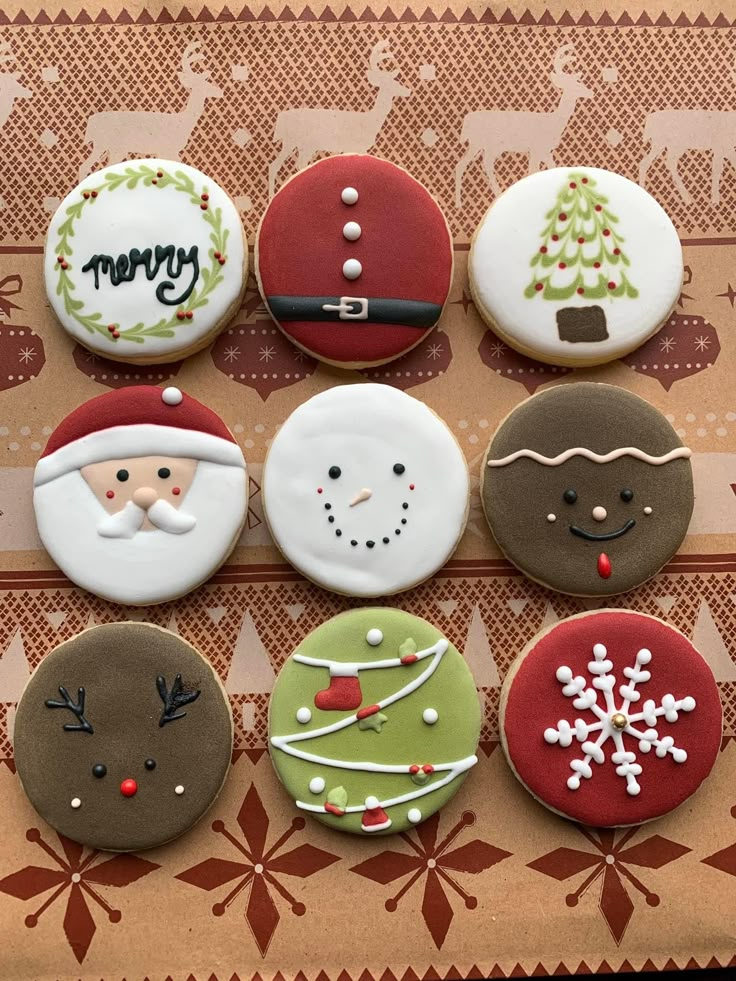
{"points": [[374, 816], [343, 695]]}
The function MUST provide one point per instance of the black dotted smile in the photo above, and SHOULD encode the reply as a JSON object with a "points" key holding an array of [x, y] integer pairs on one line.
{"points": [[590, 536]]}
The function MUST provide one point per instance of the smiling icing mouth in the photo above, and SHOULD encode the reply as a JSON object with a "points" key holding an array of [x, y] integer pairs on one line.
{"points": [[590, 536], [370, 542]]}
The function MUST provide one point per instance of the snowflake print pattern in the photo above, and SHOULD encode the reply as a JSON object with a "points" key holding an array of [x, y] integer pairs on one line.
{"points": [[667, 344], [26, 355], [614, 721]]}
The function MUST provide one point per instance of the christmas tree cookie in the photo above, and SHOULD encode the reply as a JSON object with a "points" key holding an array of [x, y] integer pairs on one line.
{"points": [[374, 722], [575, 266], [611, 718]]}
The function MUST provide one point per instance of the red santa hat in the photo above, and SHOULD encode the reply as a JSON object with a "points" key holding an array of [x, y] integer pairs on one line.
{"points": [[143, 420], [374, 816]]}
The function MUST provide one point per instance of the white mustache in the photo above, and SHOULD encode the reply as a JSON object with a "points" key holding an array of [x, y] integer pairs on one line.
{"points": [[125, 523]]}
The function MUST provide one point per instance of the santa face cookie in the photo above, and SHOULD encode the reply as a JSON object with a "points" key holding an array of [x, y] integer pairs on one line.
{"points": [[374, 722], [587, 489], [575, 266], [145, 261], [140, 494], [123, 737], [611, 718], [354, 260], [365, 490]]}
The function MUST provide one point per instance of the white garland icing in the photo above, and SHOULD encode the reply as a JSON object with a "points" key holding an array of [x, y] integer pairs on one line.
{"points": [[679, 453]]}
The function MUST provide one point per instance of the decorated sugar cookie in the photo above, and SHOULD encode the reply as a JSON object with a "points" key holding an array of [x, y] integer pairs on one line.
{"points": [[374, 722], [611, 718], [140, 494], [575, 266], [123, 737], [145, 261], [587, 489], [365, 490], [354, 260]]}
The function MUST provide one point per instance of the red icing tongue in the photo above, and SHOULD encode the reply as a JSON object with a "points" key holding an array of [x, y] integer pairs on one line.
{"points": [[604, 566]]}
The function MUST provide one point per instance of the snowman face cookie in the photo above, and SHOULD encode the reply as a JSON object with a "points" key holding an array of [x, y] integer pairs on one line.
{"points": [[365, 490], [587, 489], [123, 737]]}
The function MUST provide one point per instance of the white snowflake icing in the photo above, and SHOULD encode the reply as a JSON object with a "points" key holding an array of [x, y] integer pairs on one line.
{"points": [[615, 720]]}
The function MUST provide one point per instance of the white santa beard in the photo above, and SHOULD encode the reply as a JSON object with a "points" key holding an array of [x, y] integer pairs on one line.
{"points": [[152, 566]]}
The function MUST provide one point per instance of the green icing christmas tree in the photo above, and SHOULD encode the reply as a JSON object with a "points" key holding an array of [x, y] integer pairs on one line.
{"points": [[581, 252]]}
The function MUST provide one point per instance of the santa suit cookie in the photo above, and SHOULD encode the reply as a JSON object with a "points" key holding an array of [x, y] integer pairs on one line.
{"points": [[611, 718], [354, 260], [140, 494]]}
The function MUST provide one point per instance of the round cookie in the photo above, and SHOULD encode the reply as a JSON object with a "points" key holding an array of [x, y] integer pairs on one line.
{"points": [[587, 489], [365, 490], [140, 494], [575, 266], [374, 721], [146, 261], [611, 718], [354, 260], [123, 737]]}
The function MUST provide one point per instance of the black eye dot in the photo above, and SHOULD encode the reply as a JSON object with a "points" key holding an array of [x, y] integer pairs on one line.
{"points": [[99, 770], [164, 472], [399, 468], [627, 495], [334, 472], [570, 496], [150, 764], [122, 475]]}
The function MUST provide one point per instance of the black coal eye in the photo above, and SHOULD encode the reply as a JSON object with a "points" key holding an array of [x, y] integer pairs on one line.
{"points": [[627, 495], [150, 764], [399, 468], [99, 770], [570, 496], [164, 472], [122, 475], [334, 472]]}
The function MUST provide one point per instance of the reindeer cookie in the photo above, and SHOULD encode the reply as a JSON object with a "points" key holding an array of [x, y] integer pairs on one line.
{"points": [[123, 737], [140, 494], [145, 261], [575, 266], [354, 260]]}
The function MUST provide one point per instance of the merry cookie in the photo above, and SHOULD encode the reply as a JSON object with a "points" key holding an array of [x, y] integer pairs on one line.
{"points": [[374, 722], [611, 718], [365, 490], [354, 260], [587, 489], [140, 494], [575, 266], [123, 737], [145, 261]]}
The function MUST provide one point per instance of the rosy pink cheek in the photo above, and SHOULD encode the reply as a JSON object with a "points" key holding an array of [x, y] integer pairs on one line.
{"points": [[109, 495], [176, 491]]}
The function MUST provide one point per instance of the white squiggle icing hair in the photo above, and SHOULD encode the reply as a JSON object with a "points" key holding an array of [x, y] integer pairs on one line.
{"points": [[680, 453]]}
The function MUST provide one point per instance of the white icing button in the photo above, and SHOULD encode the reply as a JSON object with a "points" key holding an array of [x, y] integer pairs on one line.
{"points": [[351, 269], [372, 803], [374, 637], [599, 513], [349, 195], [303, 715], [179, 789], [430, 716], [352, 231], [647, 510], [415, 815], [316, 785], [76, 802], [171, 396], [551, 517]]}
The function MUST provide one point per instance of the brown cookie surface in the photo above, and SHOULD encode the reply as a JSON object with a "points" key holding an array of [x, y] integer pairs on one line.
{"points": [[587, 489], [123, 737]]}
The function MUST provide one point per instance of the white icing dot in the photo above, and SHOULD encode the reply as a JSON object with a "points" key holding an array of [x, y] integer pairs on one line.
{"points": [[647, 510], [599, 513], [430, 716], [599, 650], [551, 517], [316, 785], [372, 803], [303, 715], [171, 396], [76, 802], [179, 789], [349, 195], [351, 269], [415, 815], [352, 231], [374, 637]]}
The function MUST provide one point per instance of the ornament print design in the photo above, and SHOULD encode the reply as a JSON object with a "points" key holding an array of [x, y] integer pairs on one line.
{"points": [[261, 869], [615, 720], [725, 858]]}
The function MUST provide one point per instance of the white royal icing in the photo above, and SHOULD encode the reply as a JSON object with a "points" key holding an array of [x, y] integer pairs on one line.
{"points": [[352, 268], [303, 715], [374, 636], [414, 815], [349, 195], [171, 396], [75, 803], [521, 223], [119, 219], [352, 231], [365, 430], [430, 716], [316, 785], [179, 789]]}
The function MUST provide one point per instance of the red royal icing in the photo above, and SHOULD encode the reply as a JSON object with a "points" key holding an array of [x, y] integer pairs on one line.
{"points": [[604, 566], [369, 710]]}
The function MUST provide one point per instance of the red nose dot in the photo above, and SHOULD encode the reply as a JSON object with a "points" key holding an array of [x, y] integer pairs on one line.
{"points": [[128, 788], [176, 491], [109, 495], [319, 490], [411, 486]]}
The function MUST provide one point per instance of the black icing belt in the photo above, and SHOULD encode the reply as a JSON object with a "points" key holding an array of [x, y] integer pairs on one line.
{"points": [[408, 313]]}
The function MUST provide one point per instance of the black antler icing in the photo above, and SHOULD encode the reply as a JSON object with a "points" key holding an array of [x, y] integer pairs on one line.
{"points": [[77, 709], [174, 699]]}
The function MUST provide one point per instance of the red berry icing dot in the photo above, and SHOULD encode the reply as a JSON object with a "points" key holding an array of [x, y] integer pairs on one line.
{"points": [[217, 255], [617, 251], [555, 238], [606, 231], [94, 194], [85, 195], [581, 240], [598, 208], [60, 258], [180, 314], [128, 788], [205, 197], [597, 265], [612, 285], [109, 495], [189, 314], [580, 290], [538, 287], [65, 265], [159, 173], [112, 327], [154, 181], [176, 491], [221, 260], [414, 769], [428, 768], [585, 180], [562, 265], [562, 216], [573, 185], [116, 334], [204, 206], [543, 249]]}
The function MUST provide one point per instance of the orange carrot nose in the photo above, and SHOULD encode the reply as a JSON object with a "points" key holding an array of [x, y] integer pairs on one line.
{"points": [[128, 788]]}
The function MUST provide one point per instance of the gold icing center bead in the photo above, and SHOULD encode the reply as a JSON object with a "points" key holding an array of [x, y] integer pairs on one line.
{"points": [[619, 721]]}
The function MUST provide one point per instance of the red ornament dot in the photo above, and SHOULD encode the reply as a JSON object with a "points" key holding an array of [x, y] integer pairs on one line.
{"points": [[65, 265], [319, 490], [94, 194], [217, 255], [189, 314], [581, 240], [414, 768], [204, 206], [562, 265], [85, 195], [60, 258], [585, 180], [612, 285], [109, 495], [580, 290], [555, 238], [597, 265], [428, 768], [154, 181], [543, 249], [221, 261], [180, 314], [562, 216], [617, 251], [116, 334], [606, 231], [159, 173], [205, 197], [128, 788], [112, 327], [539, 287], [598, 208], [176, 491], [573, 185]]}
